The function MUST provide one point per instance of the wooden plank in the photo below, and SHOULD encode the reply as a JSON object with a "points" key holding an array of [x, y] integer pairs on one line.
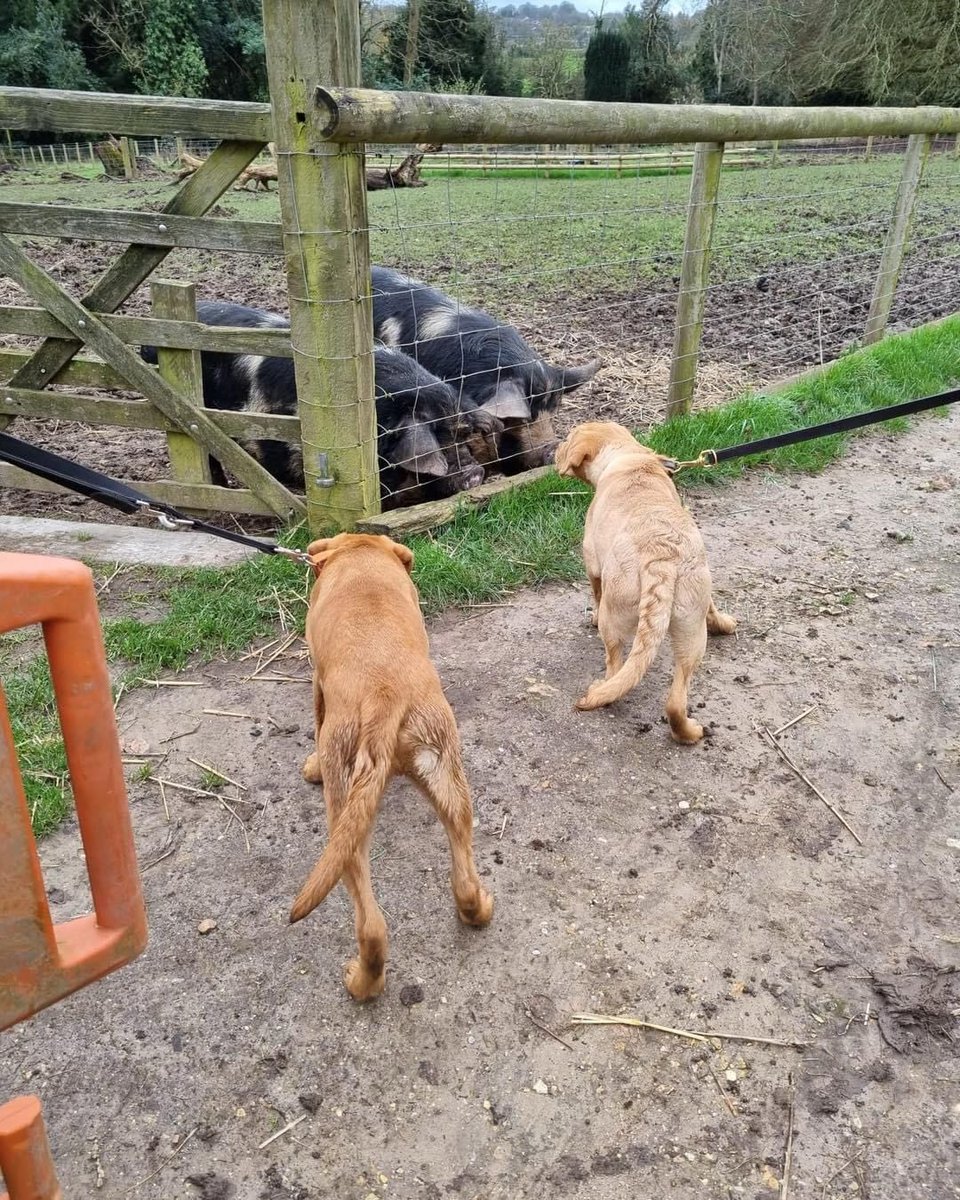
{"points": [[146, 229], [195, 497], [323, 206], [151, 331], [404, 522], [201, 191], [136, 414], [694, 275], [84, 324], [81, 372], [189, 461], [351, 114], [915, 159], [50, 109]]}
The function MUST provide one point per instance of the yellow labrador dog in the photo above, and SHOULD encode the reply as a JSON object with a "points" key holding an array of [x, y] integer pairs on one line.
{"points": [[647, 566], [380, 712]]}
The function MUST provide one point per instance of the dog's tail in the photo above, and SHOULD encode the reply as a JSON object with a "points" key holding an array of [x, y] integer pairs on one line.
{"points": [[656, 604], [371, 769]]}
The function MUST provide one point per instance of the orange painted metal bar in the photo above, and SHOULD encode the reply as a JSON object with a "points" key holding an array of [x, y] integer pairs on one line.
{"points": [[25, 1161], [41, 962]]}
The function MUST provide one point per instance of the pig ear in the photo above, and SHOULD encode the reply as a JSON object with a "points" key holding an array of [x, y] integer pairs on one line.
{"points": [[507, 402], [567, 378], [419, 451], [404, 553]]}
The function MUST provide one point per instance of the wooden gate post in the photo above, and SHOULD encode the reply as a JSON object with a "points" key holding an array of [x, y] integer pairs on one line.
{"points": [[694, 274], [323, 208], [189, 461], [918, 148]]}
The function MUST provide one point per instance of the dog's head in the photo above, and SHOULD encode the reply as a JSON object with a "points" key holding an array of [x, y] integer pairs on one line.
{"points": [[323, 549], [588, 448]]}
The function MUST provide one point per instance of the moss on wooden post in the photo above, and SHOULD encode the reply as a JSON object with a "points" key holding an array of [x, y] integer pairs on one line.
{"points": [[129, 154], [323, 210], [918, 148], [181, 369], [694, 273]]}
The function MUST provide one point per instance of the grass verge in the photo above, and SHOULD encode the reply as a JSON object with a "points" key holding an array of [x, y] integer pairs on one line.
{"points": [[523, 537]]}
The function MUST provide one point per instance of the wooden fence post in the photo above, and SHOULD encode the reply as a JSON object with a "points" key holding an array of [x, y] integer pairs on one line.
{"points": [[129, 153], [918, 148], [323, 209], [694, 273], [181, 369]]}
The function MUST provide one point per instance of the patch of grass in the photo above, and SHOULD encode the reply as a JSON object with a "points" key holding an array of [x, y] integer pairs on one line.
{"points": [[36, 735]]}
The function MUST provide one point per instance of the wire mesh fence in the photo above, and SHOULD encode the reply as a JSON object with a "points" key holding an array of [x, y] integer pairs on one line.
{"points": [[499, 286]]}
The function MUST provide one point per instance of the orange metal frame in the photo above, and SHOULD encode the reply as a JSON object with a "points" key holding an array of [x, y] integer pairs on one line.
{"points": [[41, 962]]}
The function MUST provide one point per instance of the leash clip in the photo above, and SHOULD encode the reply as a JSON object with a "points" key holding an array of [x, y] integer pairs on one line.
{"points": [[706, 458], [297, 556], [164, 520]]}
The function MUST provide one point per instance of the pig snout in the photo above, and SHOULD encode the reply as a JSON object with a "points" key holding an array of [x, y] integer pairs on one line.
{"points": [[471, 477]]}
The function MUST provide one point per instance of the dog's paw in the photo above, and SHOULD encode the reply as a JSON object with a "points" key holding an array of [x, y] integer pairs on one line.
{"points": [[591, 698], [686, 732], [479, 911], [595, 618], [311, 769], [360, 983], [719, 623]]}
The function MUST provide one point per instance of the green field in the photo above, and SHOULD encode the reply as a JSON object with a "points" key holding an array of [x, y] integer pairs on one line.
{"points": [[541, 233]]}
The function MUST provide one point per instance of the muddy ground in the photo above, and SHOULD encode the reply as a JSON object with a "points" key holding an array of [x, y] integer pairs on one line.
{"points": [[702, 888]]}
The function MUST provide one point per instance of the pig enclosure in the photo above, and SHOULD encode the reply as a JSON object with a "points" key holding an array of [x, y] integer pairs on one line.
{"points": [[688, 274]]}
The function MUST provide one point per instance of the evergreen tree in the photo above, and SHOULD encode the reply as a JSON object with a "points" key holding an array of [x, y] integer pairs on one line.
{"points": [[606, 67], [173, 63]]}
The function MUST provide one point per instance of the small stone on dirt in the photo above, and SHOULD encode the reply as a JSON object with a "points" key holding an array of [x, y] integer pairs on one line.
{"points": [[207, 925], [411, 994], [310, 1101], [897, 535], [541, 1088]]}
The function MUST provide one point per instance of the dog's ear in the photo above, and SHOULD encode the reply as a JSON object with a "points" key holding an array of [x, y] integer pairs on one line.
{"points": [[404, 553], [569, 458], [319, 552]]}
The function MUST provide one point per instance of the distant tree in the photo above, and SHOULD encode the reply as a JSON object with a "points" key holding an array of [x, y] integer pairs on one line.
{"points": [[37, 47], [173, 62], [456, 45], [654, 76], [606, 65], [554, 68]]}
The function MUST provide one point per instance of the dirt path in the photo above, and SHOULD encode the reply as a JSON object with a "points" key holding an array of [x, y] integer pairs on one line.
{"points": [[704, 888]]}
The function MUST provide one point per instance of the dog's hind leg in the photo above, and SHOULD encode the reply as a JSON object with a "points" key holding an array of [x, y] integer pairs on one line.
{"points": [[365, 975], [312, 772], [718, 622], [596, 586], [438, 771], [688, 636]]}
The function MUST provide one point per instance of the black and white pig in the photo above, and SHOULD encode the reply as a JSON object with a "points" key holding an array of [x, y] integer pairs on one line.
{"points": [[426, 448], [489, 364]]}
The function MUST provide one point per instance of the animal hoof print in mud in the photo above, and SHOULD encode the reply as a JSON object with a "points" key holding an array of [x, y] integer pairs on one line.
{"points": [[360, 983]]}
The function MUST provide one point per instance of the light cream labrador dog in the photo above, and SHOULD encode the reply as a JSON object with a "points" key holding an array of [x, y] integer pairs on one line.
{"points": [[647, 566]]}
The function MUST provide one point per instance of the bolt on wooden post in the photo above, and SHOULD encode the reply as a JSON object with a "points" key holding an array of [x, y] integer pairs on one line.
{"points": [[891, 260], [323, 206], [694, 275]]}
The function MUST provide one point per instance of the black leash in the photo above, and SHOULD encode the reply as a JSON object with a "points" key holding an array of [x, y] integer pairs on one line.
{"points": [[710, 458], [121, 496]]}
